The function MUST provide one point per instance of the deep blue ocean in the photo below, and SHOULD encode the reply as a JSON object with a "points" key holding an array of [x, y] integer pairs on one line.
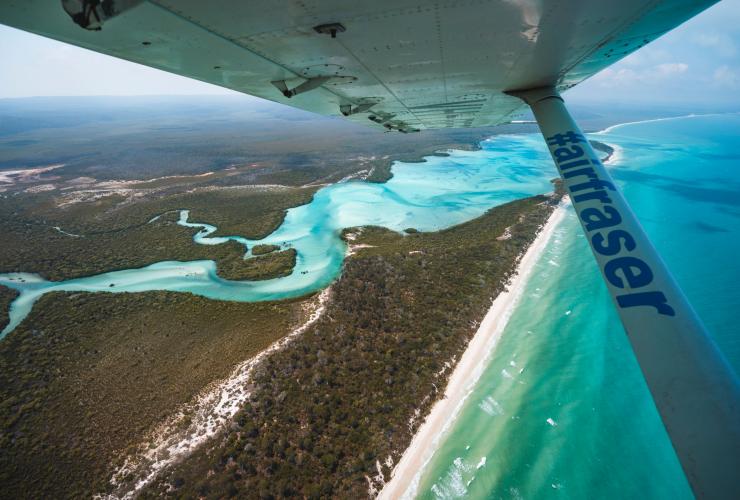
{"points": [[562, 410]]}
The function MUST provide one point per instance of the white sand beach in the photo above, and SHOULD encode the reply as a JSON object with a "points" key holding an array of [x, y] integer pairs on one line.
{"points": [[406, 474]]}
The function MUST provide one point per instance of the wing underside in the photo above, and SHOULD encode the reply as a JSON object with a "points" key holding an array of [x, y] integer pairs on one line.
{"points": [[403, 64]]}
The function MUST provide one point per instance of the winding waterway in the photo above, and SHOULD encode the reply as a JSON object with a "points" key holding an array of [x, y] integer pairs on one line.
{"points": [[441, 192]]}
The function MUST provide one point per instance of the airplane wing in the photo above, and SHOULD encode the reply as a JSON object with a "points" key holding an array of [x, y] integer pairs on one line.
{"points": [[400, 64]]}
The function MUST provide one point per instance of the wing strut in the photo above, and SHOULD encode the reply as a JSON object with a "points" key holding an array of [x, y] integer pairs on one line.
{"points": [[693, 386]]}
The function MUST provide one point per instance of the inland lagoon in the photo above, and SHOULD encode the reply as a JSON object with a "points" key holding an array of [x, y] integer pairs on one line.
{"points": [[427, 196]]}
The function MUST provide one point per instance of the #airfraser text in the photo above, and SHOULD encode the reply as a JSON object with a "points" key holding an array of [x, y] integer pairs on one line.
{"points": [[603, 224]]}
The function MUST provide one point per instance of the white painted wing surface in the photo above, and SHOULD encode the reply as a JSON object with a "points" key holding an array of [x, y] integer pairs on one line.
{"points": [[402, 64]]}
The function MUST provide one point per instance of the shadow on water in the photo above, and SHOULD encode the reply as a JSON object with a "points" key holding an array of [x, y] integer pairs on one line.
{"points": [[708, 228]]}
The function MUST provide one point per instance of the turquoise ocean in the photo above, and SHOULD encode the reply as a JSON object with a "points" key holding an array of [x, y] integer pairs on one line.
{"points": [[561, 410]]}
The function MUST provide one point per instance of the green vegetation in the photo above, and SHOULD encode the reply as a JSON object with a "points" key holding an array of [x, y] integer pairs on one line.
{"points": [[461, 139], [264, 249], [7, 295], [113, 234], [604, 148], [250, 212], [240, 139], [265, 267], [86, 376], [339, 398], [150, 137]]}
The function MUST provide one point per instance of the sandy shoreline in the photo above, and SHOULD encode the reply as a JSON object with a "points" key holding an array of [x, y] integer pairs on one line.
{"points": [[406, 475]]}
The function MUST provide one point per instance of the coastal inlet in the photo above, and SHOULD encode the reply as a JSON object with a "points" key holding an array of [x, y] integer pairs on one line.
{"points": [[439, 193]]}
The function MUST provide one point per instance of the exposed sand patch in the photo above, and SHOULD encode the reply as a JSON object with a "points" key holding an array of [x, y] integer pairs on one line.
{"points": [[40, 188], [23, 175], [506, 235], [352, 249], [201, 419]]}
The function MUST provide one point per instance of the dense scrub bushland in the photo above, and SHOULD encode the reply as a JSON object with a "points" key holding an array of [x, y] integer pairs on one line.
{"points": [[6, 297], [86, 376], [114, 236], [133, 138], [262, 267], [264, 249], [340, 398]]}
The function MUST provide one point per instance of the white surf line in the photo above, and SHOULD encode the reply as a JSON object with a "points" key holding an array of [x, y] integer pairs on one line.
{"points": [[200, 420], [616, 156], [406, 475], [652, 120]]}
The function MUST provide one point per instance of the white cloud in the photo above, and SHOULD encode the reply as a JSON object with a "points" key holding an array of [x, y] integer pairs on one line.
{"points": [[624, 77], [698, 62], [670, 69]]}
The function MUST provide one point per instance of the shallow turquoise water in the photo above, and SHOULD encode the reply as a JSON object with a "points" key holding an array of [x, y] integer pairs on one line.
{"points": [[562, 410], [439, 193]]}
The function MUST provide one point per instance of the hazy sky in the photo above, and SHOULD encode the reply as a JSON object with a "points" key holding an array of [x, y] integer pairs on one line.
{"points": [[698, 62]]}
